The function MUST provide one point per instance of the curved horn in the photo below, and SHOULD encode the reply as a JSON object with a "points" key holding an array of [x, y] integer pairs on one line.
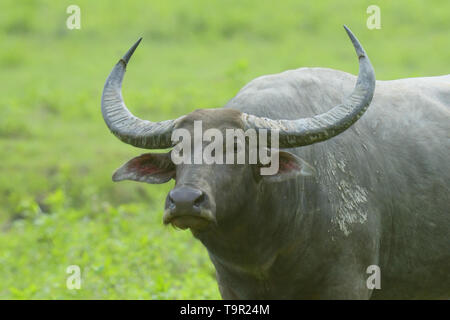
{"points": [[122, 123], [305, 131]]}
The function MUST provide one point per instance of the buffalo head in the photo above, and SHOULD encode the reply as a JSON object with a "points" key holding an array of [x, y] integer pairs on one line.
{"points": [[208, 196]]}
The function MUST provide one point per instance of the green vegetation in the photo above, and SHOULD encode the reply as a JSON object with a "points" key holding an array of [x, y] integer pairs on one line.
{"points": [[58, 205]]}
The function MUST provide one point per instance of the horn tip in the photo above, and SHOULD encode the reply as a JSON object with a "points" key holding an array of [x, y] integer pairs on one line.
{"points": [[358, 48], [130, 52]]}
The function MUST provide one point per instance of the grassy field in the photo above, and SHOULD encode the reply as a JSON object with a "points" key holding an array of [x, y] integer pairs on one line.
{"points": [[58, 205]]}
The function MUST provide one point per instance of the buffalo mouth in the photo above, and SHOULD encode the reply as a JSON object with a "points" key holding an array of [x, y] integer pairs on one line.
{"points": [[195, 221]]}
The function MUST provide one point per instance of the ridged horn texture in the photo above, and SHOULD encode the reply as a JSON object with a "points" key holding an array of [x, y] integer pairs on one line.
{"points": [[122, 123], [305, 131]]}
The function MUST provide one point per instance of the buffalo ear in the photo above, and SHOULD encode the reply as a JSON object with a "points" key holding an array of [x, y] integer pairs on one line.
{"points": [[154, 168], [289, 166]]}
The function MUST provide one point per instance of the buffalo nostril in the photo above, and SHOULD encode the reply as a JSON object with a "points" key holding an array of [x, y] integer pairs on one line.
{"points": [[199, 200], [170, 201]]}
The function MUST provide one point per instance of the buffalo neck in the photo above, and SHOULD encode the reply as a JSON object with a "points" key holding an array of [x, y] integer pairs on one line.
{"points": [[254, 244]]}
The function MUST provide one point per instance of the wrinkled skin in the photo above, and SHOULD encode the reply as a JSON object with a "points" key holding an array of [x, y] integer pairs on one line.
{"points": [[380, 195]]}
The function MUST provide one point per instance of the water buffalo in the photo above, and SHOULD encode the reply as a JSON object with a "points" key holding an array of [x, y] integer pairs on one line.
{"points": [[342, 200]]}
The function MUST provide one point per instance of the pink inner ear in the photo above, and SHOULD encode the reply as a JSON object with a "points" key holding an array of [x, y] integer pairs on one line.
{"points": [[287, 164], [147, 164], [144, 170], [150, 168]]}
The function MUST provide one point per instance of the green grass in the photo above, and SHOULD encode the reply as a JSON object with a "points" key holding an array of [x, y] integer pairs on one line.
{"points": [[58, 205]]}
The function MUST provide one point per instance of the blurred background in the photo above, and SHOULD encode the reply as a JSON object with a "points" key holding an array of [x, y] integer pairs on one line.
{"points": [[58, 205]]}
